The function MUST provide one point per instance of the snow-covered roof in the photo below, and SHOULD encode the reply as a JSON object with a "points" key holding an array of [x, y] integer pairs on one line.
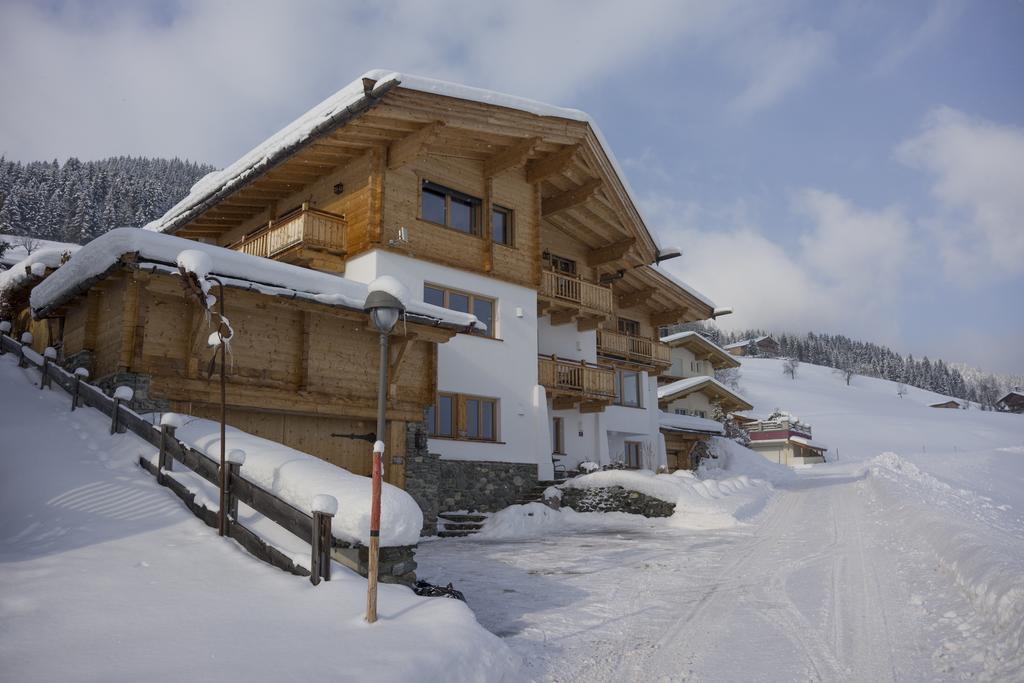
{"points": [[808, 443], [1014, 392], [692, 384], [689, 423], [235, 268], [745, 342], [682, 338], [34, 264], [682, 285], [350, 101], [17, 252], [939, 404]]}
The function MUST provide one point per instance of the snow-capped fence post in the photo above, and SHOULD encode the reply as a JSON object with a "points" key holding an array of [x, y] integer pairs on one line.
{"points": [[324, 509], [169, 423], [121, 394], [49, 354], [5, 330], [80, 374], [235, 460], [26, 341]]}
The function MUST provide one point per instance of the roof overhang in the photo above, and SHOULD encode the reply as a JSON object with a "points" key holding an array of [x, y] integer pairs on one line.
{"points": [[703, 349]]}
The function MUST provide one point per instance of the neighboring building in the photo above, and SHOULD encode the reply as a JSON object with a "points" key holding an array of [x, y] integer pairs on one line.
{"points": [[766, 346], [701, 397], [946, 404], [694, 356], [786, 440], [1012, 402], [507, 208]]}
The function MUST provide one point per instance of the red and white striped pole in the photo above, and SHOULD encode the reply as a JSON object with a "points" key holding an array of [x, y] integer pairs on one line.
{"points": [[371, 574]]}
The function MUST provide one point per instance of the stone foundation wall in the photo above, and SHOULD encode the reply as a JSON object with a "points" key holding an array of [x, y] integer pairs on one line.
{"points": [[422, 472], [395, 565], [141, 403], [616, 499], [483, 486]]}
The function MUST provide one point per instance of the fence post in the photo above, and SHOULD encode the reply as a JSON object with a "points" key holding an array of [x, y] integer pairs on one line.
{"points": [[26, 341], [49, 354], [235, 459], [5, 329], [122, 393], [80, 374], [169, 422], [324, 509]]}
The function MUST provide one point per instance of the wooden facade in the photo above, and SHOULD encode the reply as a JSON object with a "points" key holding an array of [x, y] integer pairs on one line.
{"points": [[299, 370]]}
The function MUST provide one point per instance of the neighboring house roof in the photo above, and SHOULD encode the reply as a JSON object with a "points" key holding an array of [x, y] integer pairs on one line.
{"points": [[160, 252], [943, 404], [1019, 395], [707, 385], [806, 443], [698, 343], [746, 342], [689, 423], [17, 253]]}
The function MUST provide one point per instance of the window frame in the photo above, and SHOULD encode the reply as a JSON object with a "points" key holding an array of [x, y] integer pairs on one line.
{"points": [[491, 332], [557, 436], [510, 232], [636, 446], [460, 408], [628, 323], [619, 383], [476, 204]]}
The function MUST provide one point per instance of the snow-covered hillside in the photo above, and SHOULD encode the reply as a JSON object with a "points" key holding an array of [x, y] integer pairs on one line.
{"points": [[104, 575], [977, 450]]}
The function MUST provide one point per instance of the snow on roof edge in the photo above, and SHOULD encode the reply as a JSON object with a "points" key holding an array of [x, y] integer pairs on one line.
{"points": [[691, 333], [681, 385], [99, 256]]}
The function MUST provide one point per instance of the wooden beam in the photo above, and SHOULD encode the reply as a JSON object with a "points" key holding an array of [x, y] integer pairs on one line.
{"points": [[585, 324], [593, 406], [570, 198], [564, 402], [636, 298], [510, 158], [563, 317], [539, 169], [668, 317], [408, 148], [610, 252]]}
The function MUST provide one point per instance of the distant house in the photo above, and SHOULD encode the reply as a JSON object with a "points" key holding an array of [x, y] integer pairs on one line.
{"points": [[784, 439], [1012, 402], [766, 346], [946, 404]]}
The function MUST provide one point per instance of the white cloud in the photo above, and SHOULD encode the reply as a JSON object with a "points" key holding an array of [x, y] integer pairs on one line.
{"points": [[939, 18], [776, 63], [978, 180], [845, 275]]}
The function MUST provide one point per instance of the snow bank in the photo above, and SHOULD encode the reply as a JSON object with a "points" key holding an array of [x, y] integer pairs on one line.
{"points": [[535, 520], [299, 478], [34, 265], [733, 459], [985, 561], [690, 423], [235, 268]]}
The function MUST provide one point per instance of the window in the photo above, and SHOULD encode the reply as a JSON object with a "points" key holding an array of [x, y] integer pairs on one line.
{"points": [[480, 306], [561, 265], [451, 208], [633, 458], [630, 327], [458, 416], [557, 436], [627, 388], [501, 225], [691, 413], [440, 417]]}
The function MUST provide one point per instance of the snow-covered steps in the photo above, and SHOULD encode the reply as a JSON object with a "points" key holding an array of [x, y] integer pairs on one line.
{"points": [[536, 494], [458, 524]]}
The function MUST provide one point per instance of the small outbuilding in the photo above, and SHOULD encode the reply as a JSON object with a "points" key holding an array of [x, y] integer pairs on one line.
{"points": [[1012, 402], [951, 403]]}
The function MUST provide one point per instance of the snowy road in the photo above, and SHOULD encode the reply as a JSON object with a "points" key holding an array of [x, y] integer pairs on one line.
{"points": [[822, 585]]}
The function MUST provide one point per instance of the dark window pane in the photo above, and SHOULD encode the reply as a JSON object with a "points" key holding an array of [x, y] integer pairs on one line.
{"points": [[433, 295], [618, 387], [433, 206], [461, 215], [630, 389], [458, 302], [499, 226], [483, 309], [444, 423], [487, 431], [472, 418], [428, 418]]}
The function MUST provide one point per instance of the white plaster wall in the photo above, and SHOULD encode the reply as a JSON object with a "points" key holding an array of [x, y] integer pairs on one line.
{"points": [[565, 341], [695, 401], [591, 445], [505, 369], [636, 424], [681, 364]]}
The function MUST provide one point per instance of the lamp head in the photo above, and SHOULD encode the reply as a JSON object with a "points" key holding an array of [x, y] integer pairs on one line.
{"points": [[384, 309]]}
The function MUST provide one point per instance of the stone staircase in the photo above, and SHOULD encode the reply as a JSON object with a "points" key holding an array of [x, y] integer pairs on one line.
{"points": [[536, 494], [458, 524]]}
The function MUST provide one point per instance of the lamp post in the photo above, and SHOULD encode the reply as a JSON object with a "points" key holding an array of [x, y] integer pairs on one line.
{"points": [[384, 309]]}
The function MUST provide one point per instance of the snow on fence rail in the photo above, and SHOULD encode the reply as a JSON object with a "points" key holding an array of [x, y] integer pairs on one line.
{"points": [[287, 516]]}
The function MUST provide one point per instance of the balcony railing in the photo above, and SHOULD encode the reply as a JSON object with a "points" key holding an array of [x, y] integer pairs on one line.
{"points": [[779, 426], [571, 289], [576, 377], [633, 348], [309, 228]]}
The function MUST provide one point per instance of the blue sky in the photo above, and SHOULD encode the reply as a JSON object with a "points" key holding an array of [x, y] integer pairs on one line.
{"points": [[849, 167]]}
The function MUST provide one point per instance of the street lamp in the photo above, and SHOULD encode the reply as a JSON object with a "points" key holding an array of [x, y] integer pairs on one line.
{"points": [[385, 309]]}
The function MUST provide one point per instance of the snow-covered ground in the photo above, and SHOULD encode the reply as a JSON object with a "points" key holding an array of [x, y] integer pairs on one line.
{"points": [[896, 563], [104, 575]]}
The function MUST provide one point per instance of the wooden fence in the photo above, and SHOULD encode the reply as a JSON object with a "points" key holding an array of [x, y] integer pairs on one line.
{"points": [[259, 499]]}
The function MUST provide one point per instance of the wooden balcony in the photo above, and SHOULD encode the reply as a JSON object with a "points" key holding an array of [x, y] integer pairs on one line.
{"points": [[298, 238], [632, 349], [574, 383], [567, 298]]}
